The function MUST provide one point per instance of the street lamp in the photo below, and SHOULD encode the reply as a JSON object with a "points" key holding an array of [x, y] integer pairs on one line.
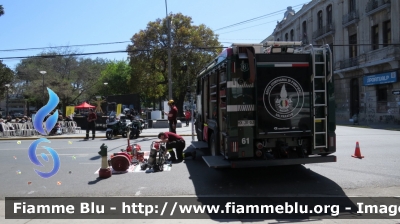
{"points": [[169, 54], [106, 83], [8, 87], [43, 73]]}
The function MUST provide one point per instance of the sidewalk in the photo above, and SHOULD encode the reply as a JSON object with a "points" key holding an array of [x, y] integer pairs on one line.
{"points": [[183, 131], [383, 126], [150, 132]]}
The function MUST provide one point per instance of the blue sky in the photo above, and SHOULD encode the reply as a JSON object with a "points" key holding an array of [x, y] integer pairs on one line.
{"points": [[45, 23]]}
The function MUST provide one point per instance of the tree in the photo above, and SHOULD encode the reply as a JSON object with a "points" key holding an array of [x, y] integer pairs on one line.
{"points": [[70, 77], [1, 10], [6, 77], [193, 46], [116, 74]]}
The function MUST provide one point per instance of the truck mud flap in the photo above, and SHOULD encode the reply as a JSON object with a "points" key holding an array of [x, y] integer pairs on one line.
{"points": [[220, 162]]}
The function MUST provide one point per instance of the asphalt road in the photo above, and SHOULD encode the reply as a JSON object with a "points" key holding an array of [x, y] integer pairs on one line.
{"points": [[375, 175]]}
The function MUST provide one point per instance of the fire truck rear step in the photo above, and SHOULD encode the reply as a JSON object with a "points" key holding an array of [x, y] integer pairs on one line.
{"points": [[199, 145], [221, 162]]}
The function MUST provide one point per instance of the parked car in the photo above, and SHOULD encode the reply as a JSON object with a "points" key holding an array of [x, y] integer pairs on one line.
{"points": [[17, 115]]}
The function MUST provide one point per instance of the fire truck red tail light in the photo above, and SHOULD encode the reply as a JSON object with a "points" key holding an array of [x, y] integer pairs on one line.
{"points": [[258, 153], [259, 145]]}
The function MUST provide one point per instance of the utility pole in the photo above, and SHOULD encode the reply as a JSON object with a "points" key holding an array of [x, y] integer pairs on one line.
{"points": [[8, 88], [169, 54], [43, 73], [192, 115]]}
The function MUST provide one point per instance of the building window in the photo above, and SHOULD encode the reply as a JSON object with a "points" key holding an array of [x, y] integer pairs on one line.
{"points": [[304, 32], [286, 37], [354, 97], [329, 14], [381, 95], [292, 35], [320, 20], [387, 33], [375, 37], [352, 5], [353, 46]]}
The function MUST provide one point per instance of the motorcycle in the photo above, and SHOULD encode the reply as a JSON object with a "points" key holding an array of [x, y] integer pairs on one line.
{"points": [[136, 127], [117, 126]]}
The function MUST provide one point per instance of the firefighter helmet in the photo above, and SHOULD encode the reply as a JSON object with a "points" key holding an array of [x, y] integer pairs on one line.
{"points": [[170, 102]]}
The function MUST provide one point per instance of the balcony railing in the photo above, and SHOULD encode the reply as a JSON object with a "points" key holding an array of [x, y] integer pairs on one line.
{"points": [[320, 33], [351, 62], [374, 6], [383, 55], [350, 18]]}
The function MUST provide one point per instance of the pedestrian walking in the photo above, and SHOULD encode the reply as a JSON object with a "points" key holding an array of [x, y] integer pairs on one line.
{"points": [[92, 117], [187, 117]]}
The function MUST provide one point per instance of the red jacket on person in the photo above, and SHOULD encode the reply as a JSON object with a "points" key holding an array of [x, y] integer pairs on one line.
{"points": [[173, 114], [187, 114]]}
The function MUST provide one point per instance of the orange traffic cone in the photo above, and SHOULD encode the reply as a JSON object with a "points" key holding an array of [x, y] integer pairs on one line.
{"points": [[357, 152]]}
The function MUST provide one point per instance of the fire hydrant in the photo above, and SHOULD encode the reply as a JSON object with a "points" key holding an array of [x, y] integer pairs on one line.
{"points": [[105, 171]]}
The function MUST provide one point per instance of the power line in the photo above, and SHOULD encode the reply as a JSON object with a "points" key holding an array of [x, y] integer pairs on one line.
{"points": [[120, 42], [247, 27], [257, 18], [78, 45], [94, 53]]}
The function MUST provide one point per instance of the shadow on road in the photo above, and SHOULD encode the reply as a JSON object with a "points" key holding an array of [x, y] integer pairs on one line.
{"points": [[95, 158], [295, 183], [98, 179], [109, 150]]}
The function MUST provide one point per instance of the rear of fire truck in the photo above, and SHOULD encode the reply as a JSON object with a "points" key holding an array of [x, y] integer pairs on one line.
{"points": [[273, 105]]}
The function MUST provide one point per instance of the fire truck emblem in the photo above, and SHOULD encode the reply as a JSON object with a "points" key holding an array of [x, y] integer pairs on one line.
{"points": [[283, 98], [244, 67], [283, 103]]}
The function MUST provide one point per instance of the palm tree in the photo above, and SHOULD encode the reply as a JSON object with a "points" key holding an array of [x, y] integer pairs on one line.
{"points": [[1, 10]]}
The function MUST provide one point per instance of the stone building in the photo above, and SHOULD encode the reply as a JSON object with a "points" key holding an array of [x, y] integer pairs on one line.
{"points": [[16, 104], [364, 36]]}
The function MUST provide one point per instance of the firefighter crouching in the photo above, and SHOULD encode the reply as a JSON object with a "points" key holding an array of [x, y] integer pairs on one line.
{"points": [[173, 140]]}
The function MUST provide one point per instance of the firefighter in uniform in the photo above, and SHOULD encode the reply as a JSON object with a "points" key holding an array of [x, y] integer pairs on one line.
{"points": [[175, 141], [172, 116], [92, 117]]}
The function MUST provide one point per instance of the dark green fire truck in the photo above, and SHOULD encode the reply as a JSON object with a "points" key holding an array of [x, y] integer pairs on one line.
{"points": [[267, 104]]}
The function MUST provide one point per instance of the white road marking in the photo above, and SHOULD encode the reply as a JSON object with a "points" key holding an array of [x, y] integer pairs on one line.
{"points": [[137, 193], [25, 148], [47, 154]]}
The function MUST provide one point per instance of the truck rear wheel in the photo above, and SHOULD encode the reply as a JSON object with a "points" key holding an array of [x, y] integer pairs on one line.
{"points": [[199, 135]]}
